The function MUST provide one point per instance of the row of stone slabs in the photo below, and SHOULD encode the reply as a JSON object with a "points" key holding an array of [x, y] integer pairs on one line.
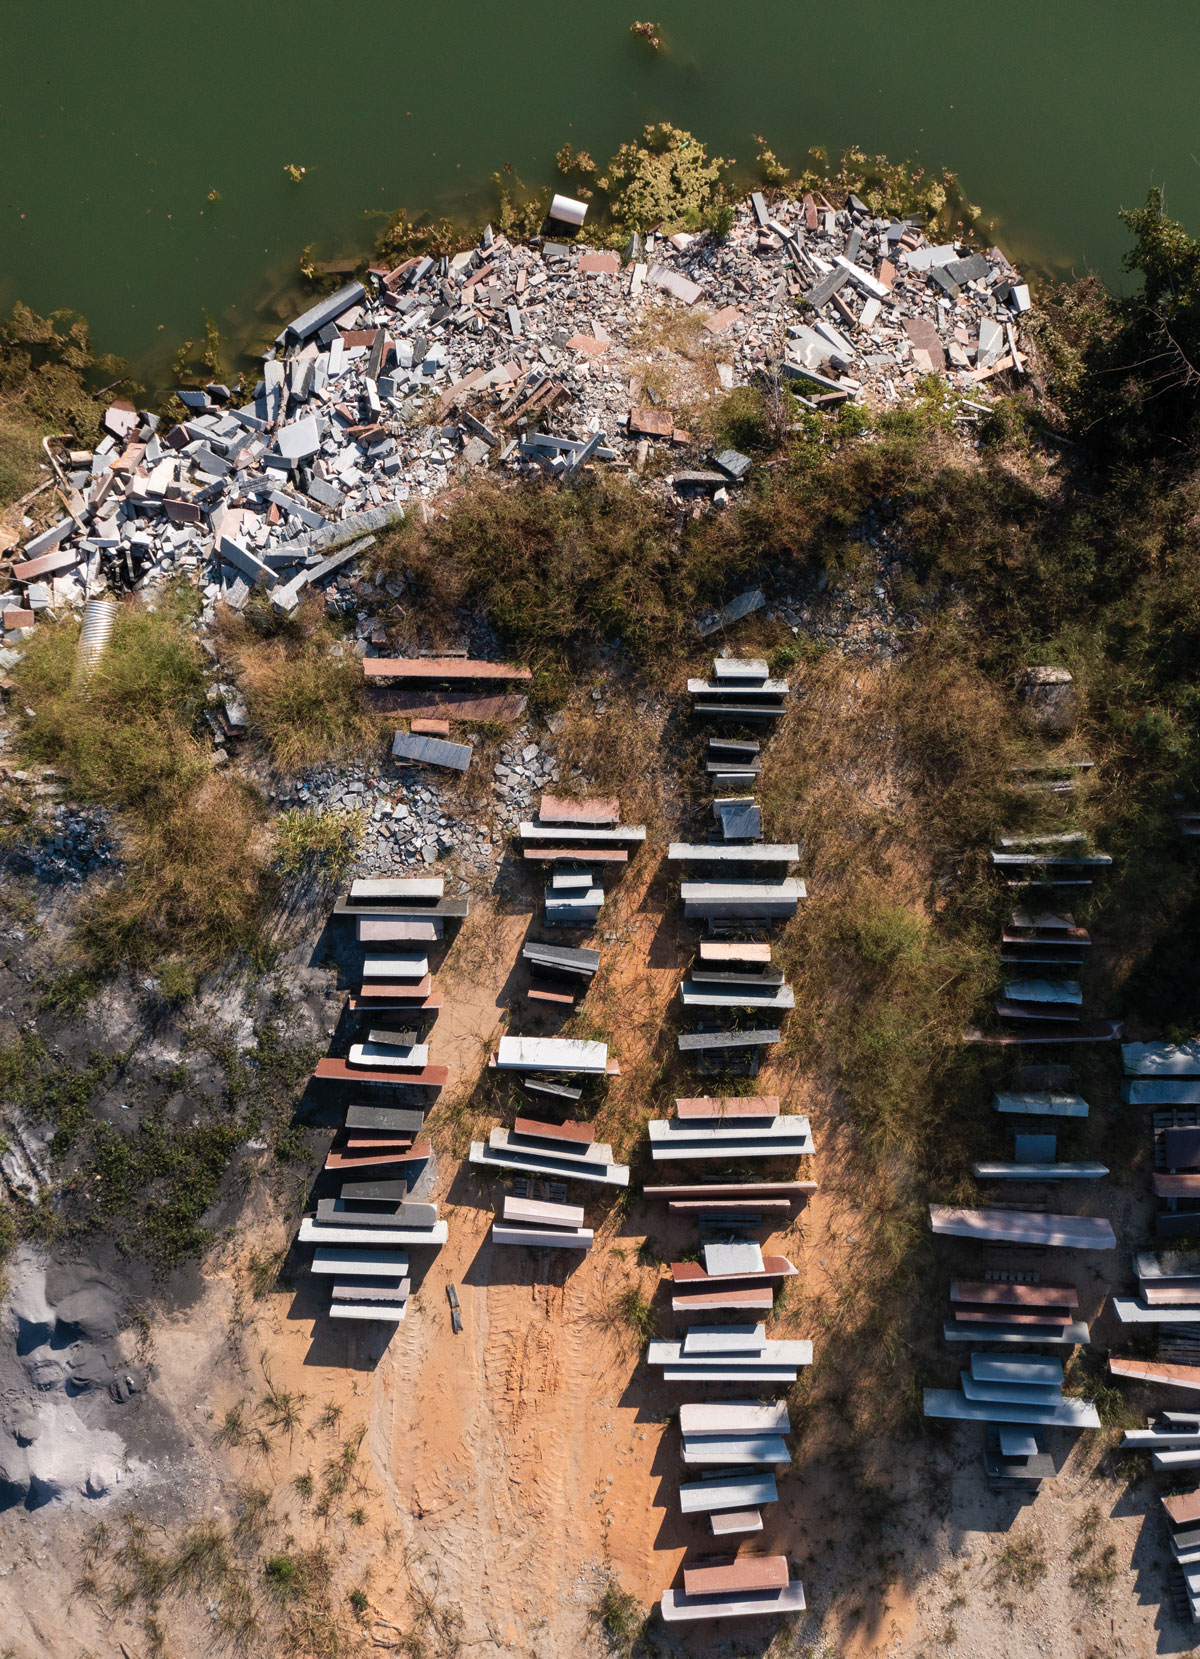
{"points": [[360, 1237], [1167, 1074], [742, 1442]]}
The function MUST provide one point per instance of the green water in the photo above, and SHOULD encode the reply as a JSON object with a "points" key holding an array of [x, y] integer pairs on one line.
{"points": [[116, 124]]}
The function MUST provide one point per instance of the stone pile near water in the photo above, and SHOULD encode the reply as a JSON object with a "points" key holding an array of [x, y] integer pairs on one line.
{"points": [[509, 357]]}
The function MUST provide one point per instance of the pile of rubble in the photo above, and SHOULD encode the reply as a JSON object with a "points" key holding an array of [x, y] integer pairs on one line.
{"points": [[517, 358], [514, 359], [411, 822], [58, 841]]}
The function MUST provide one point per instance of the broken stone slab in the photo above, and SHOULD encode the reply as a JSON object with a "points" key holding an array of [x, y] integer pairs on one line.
{"points": [[733, 463], [862, 280], [924, 259], [319, 489], [651, 423], [233, 553], [674, 282], [373, 518], [48, 565], [722, 320], [479, 429], [799, 371], [431, 751], [1049, 698], [926, 338], [974, 268], [300, 441], [48, 539], [745, 604], [828, 286], [287, 597], [325, 311], [991, 343]]}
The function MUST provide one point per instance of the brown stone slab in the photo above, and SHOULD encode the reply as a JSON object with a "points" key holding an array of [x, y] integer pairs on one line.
{"points": [[19, 619], [442, 668], [430, 728], [415, 990], [1169, 1296], [714, 950], [1152, 1370], [349, 1162], [729, 1106], [452, 393], [62, 558], [691, 1273], [1025, 1296], [543, 993], [746, 1572], [185, 512], [582, 1134], [576, 855], [449, 705], [651, 423], [330, 1070], [1177, 1186], [599, 811], [368, 1143], [989, 1316], [722, 320], [1183, 1507], [600, 264], [587, 344], [925, 337], [709, 1301]]}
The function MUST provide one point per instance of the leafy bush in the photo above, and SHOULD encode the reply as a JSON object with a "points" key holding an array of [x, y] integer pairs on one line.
{"points": [[667, 179]]}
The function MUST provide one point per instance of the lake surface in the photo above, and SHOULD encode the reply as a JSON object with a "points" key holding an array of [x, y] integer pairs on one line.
{"points": [[116, 126]]}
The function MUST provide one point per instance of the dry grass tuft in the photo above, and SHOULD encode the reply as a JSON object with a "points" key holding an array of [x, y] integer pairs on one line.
{"points": [[193, 842], [303, 686]]}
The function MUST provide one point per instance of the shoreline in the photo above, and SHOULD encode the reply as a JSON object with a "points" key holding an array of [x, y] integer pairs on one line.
{"points": [[509, 360], [247, 323]]}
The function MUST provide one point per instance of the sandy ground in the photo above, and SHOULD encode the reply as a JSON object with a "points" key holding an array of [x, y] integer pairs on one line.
{"points": [[507, 1473]]}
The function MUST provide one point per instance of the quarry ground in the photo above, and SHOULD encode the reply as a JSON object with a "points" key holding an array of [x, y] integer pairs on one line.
{"points": [[494, 1483]]}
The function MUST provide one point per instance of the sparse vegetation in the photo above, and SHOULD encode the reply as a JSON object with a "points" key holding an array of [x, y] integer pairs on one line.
{"points": [[620, 1616], [192, 890], [1022, 1562], [316, 842], [1096, 1569]]}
